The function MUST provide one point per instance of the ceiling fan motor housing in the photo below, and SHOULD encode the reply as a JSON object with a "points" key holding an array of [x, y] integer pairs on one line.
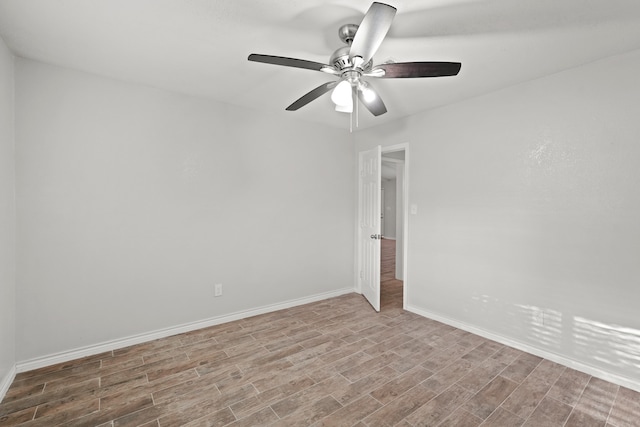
{"points": [[342, 61], [340, 58]]}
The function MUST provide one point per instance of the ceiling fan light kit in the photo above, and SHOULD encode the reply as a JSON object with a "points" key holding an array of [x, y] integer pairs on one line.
{"points": [[347, 108], [341, 96], [353, 63]]}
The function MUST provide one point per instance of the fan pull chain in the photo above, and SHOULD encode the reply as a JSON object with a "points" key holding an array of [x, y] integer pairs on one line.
{"points": [[351, 121], [356, 108]]}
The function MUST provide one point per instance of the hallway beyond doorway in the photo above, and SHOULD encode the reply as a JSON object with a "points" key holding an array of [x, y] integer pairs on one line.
{"points": [[390, 288]]}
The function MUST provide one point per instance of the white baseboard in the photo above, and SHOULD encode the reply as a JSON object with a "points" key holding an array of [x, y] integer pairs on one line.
{"points": [[77, 353], [557, 358], [5, 382]]}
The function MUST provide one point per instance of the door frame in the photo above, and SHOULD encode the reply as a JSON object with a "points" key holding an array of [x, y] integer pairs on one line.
{"points": [[405, 222]]}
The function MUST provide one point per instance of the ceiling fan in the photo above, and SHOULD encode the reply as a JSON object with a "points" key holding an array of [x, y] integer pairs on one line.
{"points": [[353, 63]]}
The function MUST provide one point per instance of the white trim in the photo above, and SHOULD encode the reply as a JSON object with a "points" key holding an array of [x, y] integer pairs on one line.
{"points": [[388, 238], [65, 356], [557, 358], [5, 383], [391, 159]]}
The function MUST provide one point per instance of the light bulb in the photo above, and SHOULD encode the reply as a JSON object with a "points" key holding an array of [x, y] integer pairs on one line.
{"points": [[367, 93]]}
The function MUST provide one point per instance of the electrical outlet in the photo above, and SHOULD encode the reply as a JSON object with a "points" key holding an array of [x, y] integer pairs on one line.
{"points": [[217, 290]]}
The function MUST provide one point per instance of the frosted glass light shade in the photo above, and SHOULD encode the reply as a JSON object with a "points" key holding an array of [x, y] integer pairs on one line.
{"points": [[341, 95], [345, 108]]}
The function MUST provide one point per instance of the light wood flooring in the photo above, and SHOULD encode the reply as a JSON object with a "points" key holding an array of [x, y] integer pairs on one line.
{"points": [[330, 363]]}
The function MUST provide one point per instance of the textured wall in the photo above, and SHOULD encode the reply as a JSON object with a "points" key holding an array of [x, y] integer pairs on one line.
{"points": [[528, 207], [133, 202]]}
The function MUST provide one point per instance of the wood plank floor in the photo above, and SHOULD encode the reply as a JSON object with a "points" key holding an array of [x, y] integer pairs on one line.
{"points": [[330, 363]]}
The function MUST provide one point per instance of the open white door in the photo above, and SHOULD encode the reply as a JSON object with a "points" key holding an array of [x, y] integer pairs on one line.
{"points": [[369, 221]]}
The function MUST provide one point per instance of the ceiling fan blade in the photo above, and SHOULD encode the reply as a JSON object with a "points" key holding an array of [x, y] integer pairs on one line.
{"points": [[314, 94], [372, 100], [417, 69], [291, 62], [372, 30]]}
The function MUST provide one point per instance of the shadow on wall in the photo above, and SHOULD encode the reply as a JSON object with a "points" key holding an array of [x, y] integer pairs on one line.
{"points": [[612, 347]]}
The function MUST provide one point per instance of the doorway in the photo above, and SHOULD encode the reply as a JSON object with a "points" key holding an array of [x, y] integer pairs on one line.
{"points": [[392, 225], [368, 237]]}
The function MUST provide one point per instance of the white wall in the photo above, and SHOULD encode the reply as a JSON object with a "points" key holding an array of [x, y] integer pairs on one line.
{"points": [[7, 221], [529, 200], [132, 202]]}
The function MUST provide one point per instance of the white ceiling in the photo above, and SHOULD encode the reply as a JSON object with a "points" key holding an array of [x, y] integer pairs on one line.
{"points": [[200, 47]]}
